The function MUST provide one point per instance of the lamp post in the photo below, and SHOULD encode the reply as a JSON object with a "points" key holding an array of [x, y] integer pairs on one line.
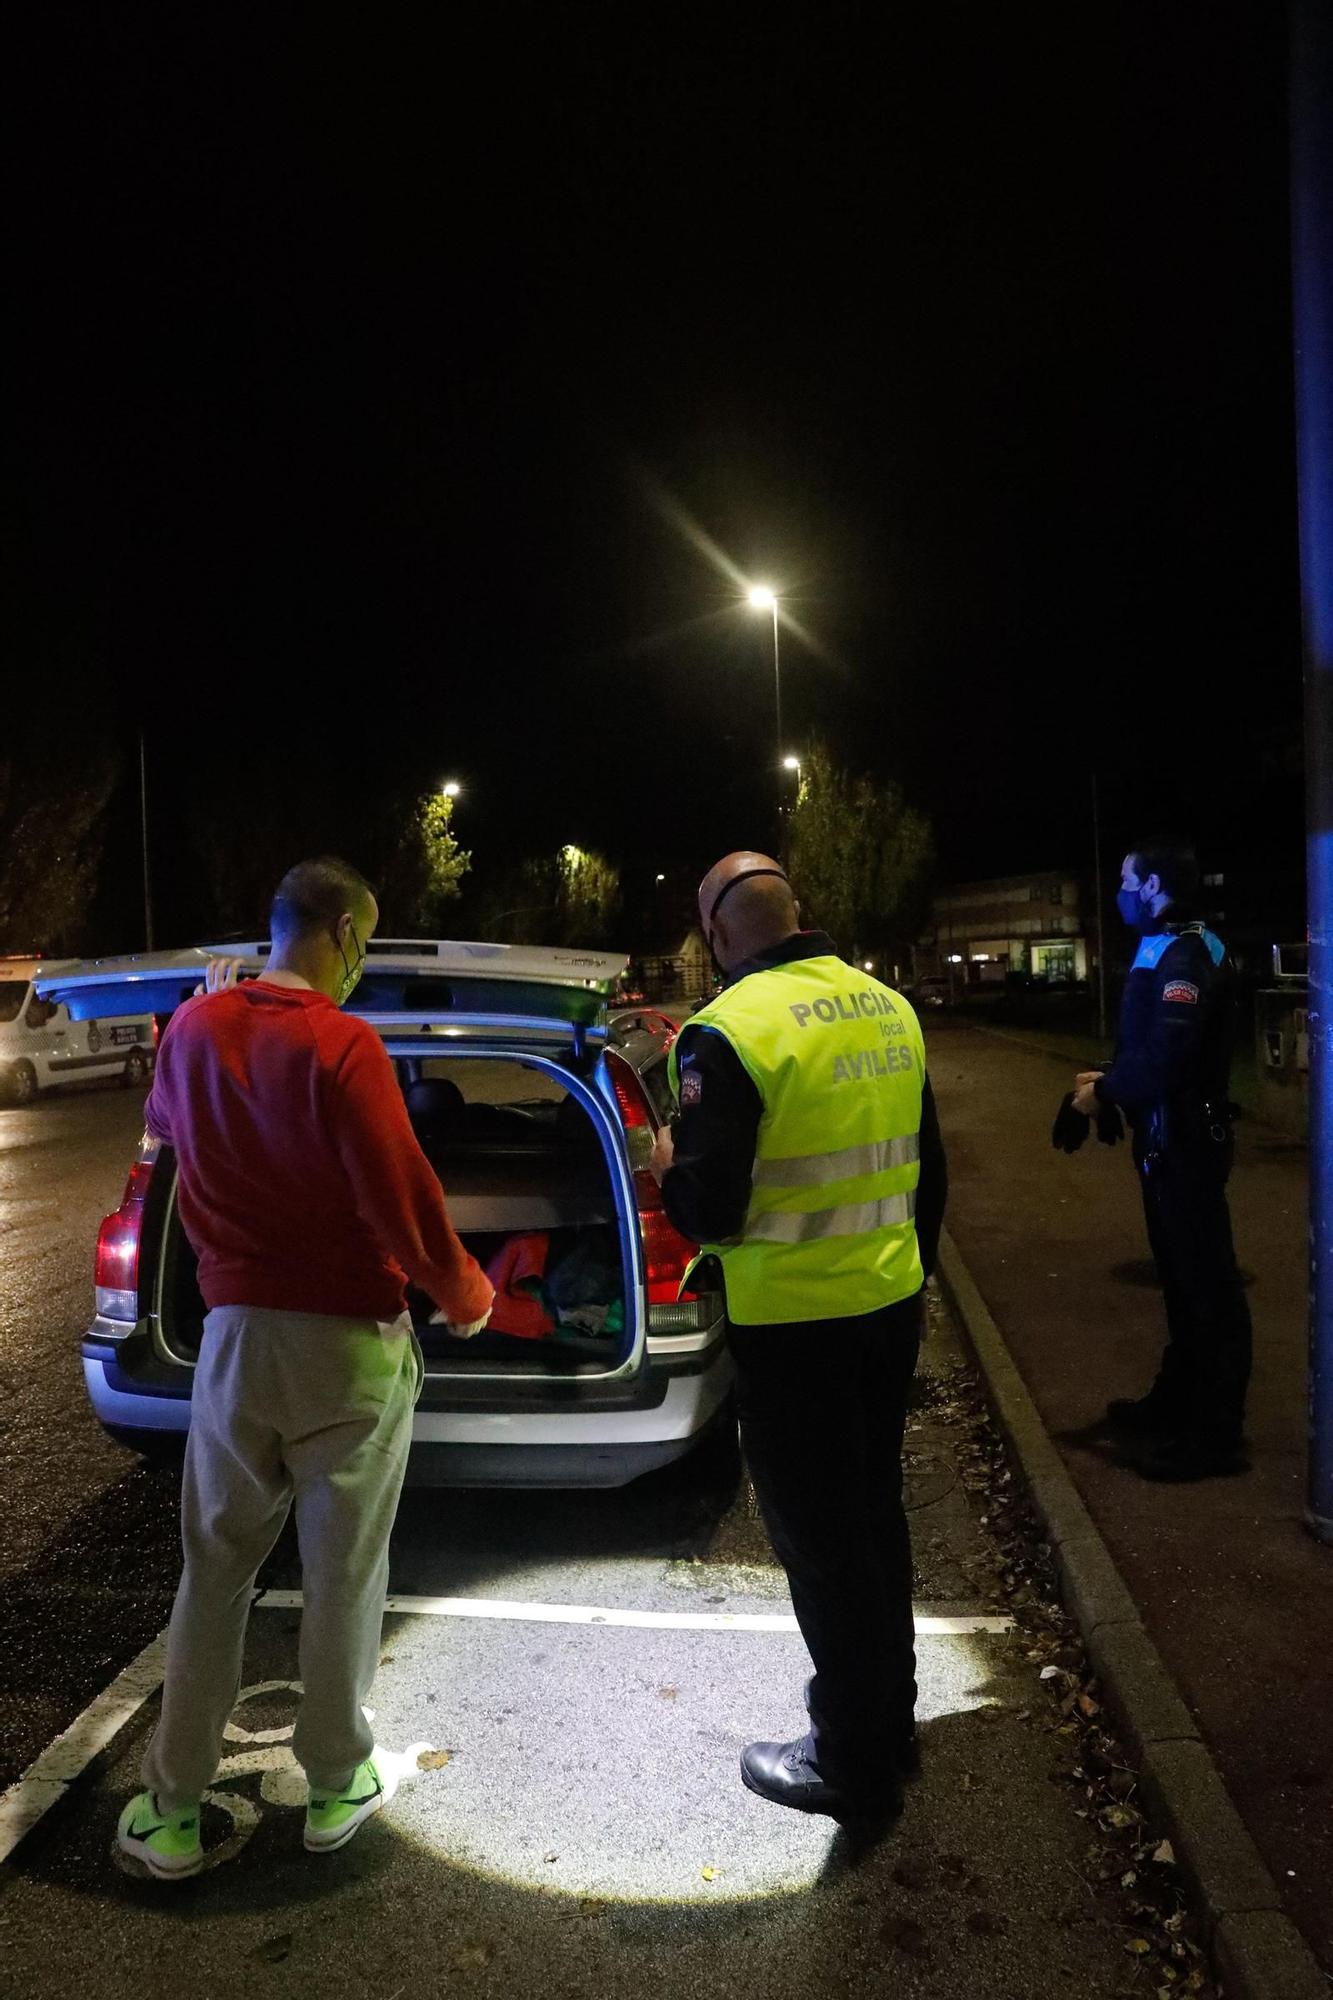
{"points": [[1312, 301], [763, 599], [450, 789], [143, 832]]}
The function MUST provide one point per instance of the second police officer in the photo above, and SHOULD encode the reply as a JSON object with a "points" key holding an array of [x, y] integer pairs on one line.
{"points": [[1171, 1077]]}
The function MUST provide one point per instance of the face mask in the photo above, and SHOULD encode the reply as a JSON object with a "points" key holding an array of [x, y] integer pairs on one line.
{"points": [[1136, 913], [351, 973]]}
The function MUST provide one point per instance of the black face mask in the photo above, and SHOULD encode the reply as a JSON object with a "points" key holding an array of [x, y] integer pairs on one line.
{"points": [[1136, 913], [351, 973]]}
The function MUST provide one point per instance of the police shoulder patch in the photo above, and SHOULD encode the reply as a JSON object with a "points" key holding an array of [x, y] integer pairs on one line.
{"points": [[691, 1086], [1182, 991]]}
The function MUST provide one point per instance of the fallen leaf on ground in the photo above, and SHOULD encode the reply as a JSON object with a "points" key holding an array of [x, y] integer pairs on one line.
{"points": [[1165, 1853], [668, 1694], [710, 1874], [550, 1857], [433, 1760], [273, 1950], [1138, 1947], [473, 1954], [591, 1906], [906, 1934]]}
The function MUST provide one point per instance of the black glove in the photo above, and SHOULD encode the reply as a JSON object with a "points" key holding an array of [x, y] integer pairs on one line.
{"points": [[1110, 1125], [1071, 1127]]}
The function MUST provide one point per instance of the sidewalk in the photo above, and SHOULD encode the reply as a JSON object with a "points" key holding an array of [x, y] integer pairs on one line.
{"points": [[1236, 1595]]}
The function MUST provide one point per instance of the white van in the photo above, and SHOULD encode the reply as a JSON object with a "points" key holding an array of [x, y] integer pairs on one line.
{"points": [[41, 1047]]}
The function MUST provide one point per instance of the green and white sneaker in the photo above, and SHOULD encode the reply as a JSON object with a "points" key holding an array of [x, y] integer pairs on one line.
{"points": [[332, 1818], [167, 1843]]}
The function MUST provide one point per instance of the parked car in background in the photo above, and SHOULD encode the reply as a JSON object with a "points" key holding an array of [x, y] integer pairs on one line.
{"points": [[929, 993], [599, 1363], [626, 1021], [41, 1047]]}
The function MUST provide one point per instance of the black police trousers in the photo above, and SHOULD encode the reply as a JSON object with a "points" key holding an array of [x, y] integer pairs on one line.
{"points": [[822, 1407], [1205, 1370]]}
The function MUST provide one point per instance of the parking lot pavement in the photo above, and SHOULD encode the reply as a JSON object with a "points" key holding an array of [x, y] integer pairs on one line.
{"points": [[579, 1826]]}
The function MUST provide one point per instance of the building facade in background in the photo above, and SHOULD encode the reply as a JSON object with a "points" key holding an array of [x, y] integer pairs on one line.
{"points": [[980, 932]]}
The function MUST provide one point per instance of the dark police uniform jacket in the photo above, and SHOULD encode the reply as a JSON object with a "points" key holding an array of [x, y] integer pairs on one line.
{"points": [[1171, 1069]]}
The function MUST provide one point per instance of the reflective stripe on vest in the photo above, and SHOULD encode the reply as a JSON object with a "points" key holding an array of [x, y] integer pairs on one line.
{"points": [[782, 1226], [813, 1169], [839, 1066]]}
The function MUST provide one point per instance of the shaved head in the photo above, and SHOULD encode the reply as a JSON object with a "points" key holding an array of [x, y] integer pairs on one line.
{"points": [[746, 904]]}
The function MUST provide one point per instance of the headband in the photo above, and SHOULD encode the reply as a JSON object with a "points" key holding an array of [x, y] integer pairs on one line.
{"points": [[727, 887]]}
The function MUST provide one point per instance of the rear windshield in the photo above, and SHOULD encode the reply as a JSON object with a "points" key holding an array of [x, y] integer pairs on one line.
{"points": [[12, 993]]}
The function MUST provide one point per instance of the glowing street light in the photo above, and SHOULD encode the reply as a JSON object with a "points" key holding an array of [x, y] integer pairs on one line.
{"points": [[661, 878], [761, 598], [450, 789], [791, 763]]}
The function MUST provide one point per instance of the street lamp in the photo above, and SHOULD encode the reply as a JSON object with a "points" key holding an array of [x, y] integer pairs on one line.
{"points": [[450, 789], [764, 599]]}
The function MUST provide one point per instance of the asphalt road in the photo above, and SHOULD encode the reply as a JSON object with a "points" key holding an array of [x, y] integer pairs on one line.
{"points": [[586, 1832]]}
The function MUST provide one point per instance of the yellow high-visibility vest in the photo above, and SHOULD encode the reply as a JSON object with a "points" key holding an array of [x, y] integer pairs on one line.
{"points": [[839, 1063]]}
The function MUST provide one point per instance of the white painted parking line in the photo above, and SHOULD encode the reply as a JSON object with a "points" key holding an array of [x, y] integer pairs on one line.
{"points": [[68, 1755], [927, 1627], [49, 1776]]}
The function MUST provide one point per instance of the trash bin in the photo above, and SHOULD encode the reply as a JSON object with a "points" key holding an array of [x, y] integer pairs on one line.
{"points": [[1282, 1044]]}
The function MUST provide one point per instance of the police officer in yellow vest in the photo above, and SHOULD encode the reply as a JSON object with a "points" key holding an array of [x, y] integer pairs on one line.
{"points": [[806, 1158]]}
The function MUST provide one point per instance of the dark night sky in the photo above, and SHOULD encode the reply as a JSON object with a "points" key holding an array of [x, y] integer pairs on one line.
{"points": [[359, 352]]}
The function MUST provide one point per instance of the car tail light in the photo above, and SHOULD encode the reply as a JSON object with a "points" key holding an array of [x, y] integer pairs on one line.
{"points": [[666, 1253], [116, 1265]]}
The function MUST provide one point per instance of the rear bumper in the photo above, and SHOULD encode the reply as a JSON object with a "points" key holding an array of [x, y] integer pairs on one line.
{"points": [[551, 1447]]}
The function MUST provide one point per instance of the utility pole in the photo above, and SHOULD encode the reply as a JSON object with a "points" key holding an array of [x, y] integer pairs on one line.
{"points": [[1097, 892], [143, 829], [1312, 320]]}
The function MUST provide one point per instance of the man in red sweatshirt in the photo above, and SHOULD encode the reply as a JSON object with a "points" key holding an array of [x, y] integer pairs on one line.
{"points": [[309, 1203]]}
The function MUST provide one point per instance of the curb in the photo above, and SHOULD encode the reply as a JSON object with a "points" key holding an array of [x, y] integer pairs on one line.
{"points": [[1257, 1952]]}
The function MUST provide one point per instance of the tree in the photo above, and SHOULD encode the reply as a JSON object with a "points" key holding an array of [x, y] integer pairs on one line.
{"points": [[53, 801], [571, 897], [588, 896], [861, 858], [424, 869]]}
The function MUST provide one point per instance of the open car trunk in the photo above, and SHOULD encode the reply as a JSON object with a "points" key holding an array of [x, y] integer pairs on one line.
{"points": [[525, 1154]]}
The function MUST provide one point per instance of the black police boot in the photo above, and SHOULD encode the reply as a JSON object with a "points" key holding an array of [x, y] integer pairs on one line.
{"points": [[787, 1774], [906, 1751], [1139, 1417], [1188, 1456]]}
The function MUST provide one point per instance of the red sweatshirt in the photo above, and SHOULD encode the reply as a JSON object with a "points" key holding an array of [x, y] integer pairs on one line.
{"points": [[302, 1185]]}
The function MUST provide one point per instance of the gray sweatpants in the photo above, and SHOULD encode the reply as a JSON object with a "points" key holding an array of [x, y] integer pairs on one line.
{"points": [[288, 1409]]}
